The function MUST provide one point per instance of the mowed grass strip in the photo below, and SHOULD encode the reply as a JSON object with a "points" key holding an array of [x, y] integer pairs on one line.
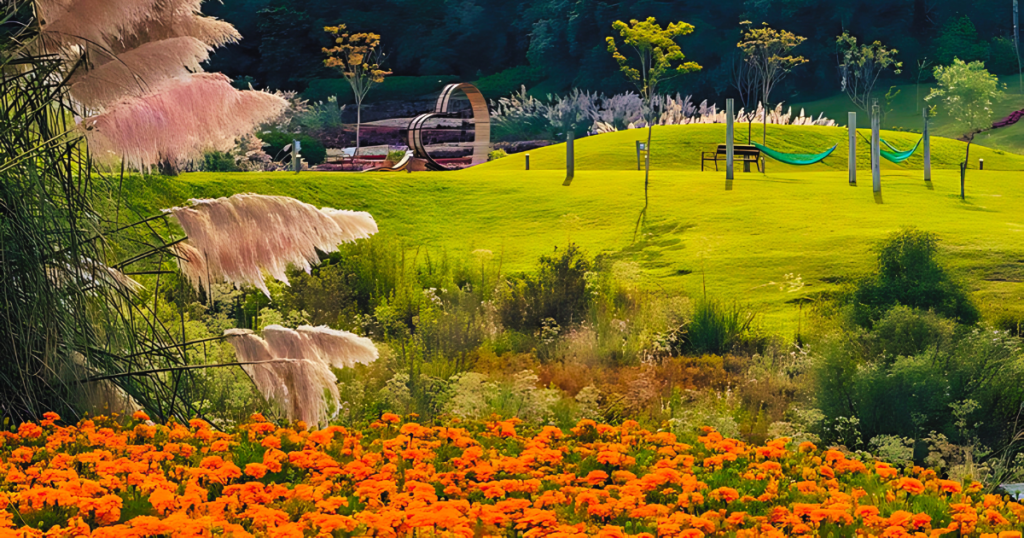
{"points": [[767, 241]]}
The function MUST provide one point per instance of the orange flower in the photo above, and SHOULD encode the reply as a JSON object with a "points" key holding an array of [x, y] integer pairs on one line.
{"points": [[390, 418], [910, 485]]}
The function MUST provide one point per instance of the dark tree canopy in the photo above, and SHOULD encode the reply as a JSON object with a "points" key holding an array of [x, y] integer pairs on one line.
{"points": [[563, 40]]}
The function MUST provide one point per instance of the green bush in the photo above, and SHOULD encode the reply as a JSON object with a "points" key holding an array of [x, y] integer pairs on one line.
{"points": [[313, 151], [558, 292], [909, 274], [905, 331], [496, 154], [715, 327], [911, 395], [217, 161], [396, 156], [509, 81]]}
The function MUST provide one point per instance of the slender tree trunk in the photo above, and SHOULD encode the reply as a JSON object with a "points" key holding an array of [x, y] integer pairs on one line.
{"points": [[647, 177], [647, 164], [963, 167], [359, 120]]}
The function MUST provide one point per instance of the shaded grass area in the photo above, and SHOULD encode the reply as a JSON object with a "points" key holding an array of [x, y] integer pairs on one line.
{"points": [[768, 241], [906, 114]]}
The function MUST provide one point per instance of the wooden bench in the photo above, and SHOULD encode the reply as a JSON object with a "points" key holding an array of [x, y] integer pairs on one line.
{"points": [[744, 154]]}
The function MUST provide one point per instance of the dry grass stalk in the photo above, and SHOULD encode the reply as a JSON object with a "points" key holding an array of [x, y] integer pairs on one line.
{"points": [[242, 236], [179, 121], [301, 379]]}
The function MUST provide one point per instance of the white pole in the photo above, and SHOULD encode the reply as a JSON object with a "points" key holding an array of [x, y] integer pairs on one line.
{"points": [[876, 168], [852, 126], [728, 139], [927, 147]]}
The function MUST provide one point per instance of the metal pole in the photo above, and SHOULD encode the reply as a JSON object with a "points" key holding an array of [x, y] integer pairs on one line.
{"points": [[851, 124], [927, 147], [876, 168], [1016, 45], [639, 145], [729, 150], [296, 157], [527, 161]]}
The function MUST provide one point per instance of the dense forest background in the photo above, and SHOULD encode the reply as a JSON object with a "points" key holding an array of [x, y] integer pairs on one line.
{"points": [[553, 45]]}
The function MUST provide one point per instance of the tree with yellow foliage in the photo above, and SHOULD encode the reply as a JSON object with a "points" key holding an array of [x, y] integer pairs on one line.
{"points": [[359, 57], [660, 58]]}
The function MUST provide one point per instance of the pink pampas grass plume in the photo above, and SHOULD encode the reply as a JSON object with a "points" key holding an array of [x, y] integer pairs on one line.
{"points": [[340, 349], [242, 236], [294, 366], [138, 71], [179, 121]]}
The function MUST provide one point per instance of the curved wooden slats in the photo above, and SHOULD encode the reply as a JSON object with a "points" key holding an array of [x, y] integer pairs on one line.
{"points": [[481, 121]]}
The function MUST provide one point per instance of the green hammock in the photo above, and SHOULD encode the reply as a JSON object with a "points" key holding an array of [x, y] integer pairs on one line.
{"points": [[799, 159], [896, 155]]}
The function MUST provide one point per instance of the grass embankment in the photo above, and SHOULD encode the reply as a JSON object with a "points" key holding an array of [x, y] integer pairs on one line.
{"points": [[906, 114], [740, 240]]}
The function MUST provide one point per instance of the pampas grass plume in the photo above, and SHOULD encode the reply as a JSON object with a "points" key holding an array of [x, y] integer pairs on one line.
{"points": [[242, 236], [295, 366]]}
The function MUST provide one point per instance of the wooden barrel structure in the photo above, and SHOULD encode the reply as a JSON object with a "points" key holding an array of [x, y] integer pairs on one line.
{"points": [[481, 124]]}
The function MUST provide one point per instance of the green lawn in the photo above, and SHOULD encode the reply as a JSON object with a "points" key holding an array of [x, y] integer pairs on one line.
{"points": [[741, 239], [906, 114]]}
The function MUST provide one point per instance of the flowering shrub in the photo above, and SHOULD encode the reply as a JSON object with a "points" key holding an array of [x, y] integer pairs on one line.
{"points": [[397, 478]]}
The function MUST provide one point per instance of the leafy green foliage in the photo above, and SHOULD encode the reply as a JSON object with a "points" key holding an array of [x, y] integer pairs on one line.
{"points": [[217, 161], [967, 92], [313, 151], [558, 292], [912, 395], [958, 39], [660, 56], [861, 65], [909, 274]]}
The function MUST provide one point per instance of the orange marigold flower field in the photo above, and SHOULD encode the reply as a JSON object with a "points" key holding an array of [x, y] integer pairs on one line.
{"points": [[107, 478]]}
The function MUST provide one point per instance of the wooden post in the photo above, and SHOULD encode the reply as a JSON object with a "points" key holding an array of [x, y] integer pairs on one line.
{"points": [[852, 127], [729, 150], [876, 166], [927, 146], [570, 158]]}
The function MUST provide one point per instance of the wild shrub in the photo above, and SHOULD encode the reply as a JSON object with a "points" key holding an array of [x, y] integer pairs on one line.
{"points": [[218, 161], [312, 150], [910, 395], [906, 331], [909, 274], [557, 292], [715, 327]]}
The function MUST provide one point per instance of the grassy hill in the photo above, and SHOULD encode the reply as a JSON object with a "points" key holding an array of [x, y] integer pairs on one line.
{"points": [[767, 241], [906, 114]]}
